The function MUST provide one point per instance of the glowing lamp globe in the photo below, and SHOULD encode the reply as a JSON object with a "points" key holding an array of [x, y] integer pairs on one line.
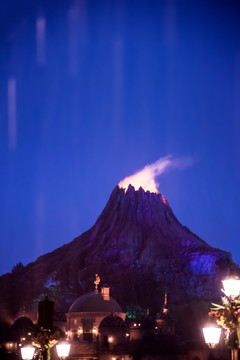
{"points": [[27, 352], [231, 287], [63, 349], [212, 336]]}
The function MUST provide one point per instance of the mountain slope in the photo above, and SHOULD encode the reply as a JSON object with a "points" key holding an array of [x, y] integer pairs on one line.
{"points": [[137, 246]]}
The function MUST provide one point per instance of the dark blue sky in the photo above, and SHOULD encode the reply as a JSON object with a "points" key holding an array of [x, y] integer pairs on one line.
{"points": [[91, 91]]}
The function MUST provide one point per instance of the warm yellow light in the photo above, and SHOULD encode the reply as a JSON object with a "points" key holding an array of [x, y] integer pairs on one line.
{"points": [[27, 352], [110, 339], [212, 335], [231, 287], [63, 349]]}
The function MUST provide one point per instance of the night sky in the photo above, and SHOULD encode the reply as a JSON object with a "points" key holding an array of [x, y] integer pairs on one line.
{"points": [[92, 91]]}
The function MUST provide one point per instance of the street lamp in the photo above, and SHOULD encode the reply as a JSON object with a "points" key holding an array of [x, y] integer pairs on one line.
{"points": [[63, 349], [212, 336], [231, 287], [27, 352], [227, 315]]}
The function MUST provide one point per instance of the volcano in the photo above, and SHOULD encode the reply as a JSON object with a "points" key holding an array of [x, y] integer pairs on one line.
{"points": [[138, 248]]}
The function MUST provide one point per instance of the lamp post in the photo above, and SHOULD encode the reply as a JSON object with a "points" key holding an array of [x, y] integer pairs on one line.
{"points": [[212, 336], [227, 316], [27, 352], [63, 349], [231, 288]]}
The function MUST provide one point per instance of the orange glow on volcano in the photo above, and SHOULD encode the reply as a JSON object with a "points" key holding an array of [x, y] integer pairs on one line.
{"points": [[146, 178], [164, 200]]}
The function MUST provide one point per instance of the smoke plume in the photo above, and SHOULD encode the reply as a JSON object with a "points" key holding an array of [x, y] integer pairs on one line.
{"points": [[146, 178]]}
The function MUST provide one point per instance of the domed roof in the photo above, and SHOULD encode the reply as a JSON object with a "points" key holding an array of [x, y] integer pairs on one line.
{"points": [[112, 321], [93, 302], [21, 326]]}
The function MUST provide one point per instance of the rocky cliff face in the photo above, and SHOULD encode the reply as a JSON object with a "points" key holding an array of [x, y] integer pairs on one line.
{"points": [[139, 249]]}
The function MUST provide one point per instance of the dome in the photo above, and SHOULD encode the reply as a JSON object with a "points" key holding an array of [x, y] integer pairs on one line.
{"points": [[21, 326], [93, 302], [112, 321]]}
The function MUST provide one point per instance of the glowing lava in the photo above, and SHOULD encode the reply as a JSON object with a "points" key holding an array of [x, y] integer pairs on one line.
{"points": [[146, 178]]}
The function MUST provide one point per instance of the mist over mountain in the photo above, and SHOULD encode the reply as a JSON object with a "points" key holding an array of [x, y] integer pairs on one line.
{"points": [[138, 248]]}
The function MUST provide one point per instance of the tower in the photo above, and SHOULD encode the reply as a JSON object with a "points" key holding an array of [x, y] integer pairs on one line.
{"points": [[165, 321]]}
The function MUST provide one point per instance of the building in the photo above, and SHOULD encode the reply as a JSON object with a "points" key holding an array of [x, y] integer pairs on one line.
{"points": [[97, 329]]}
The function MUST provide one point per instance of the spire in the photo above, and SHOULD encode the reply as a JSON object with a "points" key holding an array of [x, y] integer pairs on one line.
{"points": [[165, 321], [165, 305], [165, 299], [164, 312], [96, 282]]}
